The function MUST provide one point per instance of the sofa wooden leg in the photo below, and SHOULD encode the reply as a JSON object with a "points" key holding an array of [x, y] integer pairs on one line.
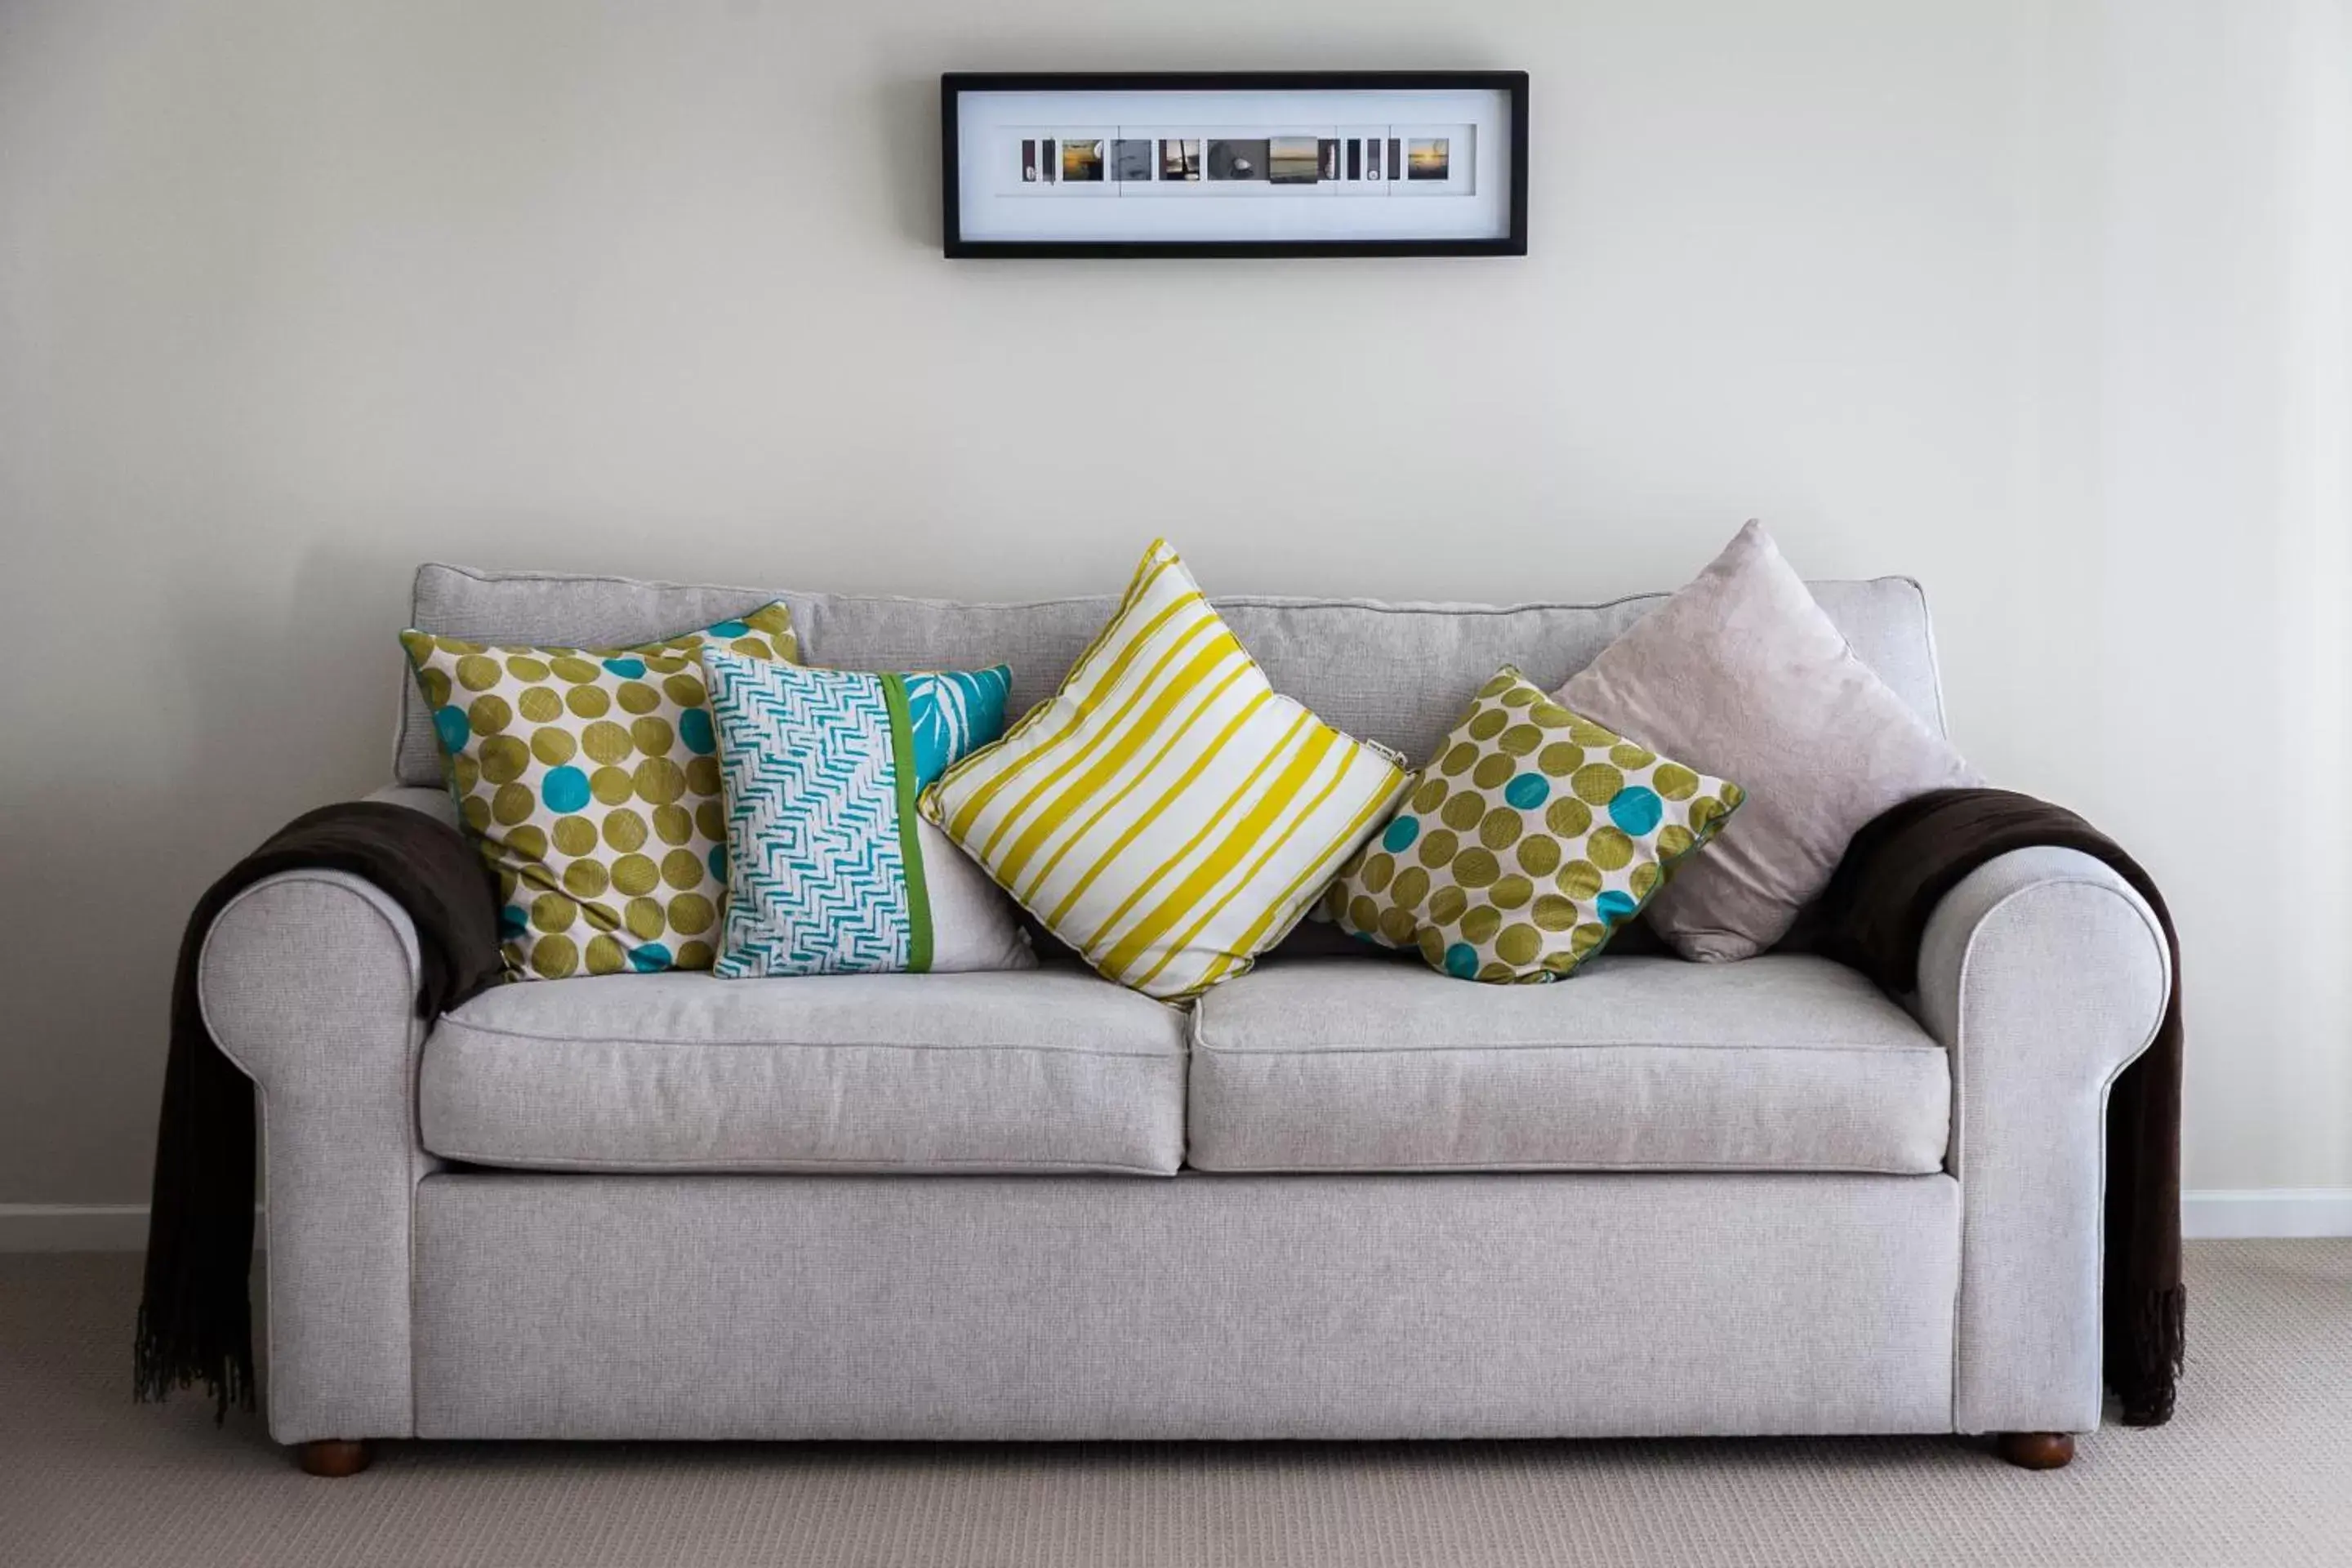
{"points": [[2036, 1450], [333, 1457]]}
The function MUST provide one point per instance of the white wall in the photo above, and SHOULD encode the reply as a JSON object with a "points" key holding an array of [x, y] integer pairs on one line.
{"points": [[2042, 303]]}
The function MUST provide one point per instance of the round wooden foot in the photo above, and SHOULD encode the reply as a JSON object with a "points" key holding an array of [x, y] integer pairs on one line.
{"points": [[2036, 1450], [333, 1457]]}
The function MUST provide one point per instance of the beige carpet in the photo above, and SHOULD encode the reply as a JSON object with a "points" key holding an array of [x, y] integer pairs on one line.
{"points": [[2257, 1469]]}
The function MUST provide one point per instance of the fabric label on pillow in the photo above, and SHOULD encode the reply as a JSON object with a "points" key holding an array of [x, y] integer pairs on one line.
{"points": [[826, 869], [1531, 836], [589, 779]]}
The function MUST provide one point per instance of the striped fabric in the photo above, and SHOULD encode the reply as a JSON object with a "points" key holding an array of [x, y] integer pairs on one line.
{"points": [[1167, 813]]}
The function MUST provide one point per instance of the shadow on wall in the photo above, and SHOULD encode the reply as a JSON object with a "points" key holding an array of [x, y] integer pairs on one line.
{"points": [[252, 700]]}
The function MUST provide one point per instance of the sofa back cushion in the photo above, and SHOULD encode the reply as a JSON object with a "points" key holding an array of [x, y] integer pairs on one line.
{"points": [[1396, 673]]}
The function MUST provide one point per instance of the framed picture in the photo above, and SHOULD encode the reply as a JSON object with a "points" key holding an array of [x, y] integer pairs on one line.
{"points": [[1234, 163]]}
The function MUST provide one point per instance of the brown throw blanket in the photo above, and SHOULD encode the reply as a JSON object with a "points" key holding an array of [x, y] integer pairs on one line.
{"points": [[195, 1321], [1874, 913]]}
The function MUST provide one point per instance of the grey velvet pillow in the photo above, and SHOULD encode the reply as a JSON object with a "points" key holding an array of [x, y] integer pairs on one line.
{"points": [[1741, 675]]}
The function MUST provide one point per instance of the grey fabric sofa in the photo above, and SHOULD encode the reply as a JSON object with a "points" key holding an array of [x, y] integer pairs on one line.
{"points": [[1341, 1198]]}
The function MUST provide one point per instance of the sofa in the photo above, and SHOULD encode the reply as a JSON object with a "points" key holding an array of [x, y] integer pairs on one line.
{"points": [[1340, 1196]]}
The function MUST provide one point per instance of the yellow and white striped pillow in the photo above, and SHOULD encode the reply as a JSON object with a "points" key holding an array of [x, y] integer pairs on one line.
{"points": [[1167, 813]]}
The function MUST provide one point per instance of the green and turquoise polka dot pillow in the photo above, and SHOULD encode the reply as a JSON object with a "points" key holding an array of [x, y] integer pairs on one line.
{"points": [[589, 777], [1530, 837]]}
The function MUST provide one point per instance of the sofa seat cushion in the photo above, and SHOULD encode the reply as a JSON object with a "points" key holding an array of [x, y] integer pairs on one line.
{"points": [[1042, 1070], [1780, 1063]]}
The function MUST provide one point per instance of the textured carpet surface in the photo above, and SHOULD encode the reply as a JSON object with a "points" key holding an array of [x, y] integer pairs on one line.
{"points": [[2257, 1469]]}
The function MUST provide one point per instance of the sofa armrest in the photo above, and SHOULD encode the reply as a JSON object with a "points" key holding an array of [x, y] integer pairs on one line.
{"points": [[309, 982], [2044, 974]]}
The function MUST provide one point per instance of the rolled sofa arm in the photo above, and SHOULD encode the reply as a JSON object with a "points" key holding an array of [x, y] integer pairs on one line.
{"points": [[2044, 974], [309, 982]]}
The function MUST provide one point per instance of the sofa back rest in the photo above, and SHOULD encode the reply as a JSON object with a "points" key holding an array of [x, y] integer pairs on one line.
{"points": [[1398, 674]]}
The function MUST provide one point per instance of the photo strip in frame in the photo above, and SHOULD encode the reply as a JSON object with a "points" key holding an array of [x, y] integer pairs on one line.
{"points": [[1252, 163]]}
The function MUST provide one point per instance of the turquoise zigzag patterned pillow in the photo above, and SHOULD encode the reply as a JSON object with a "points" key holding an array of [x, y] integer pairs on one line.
{"points": [[828, 871]]}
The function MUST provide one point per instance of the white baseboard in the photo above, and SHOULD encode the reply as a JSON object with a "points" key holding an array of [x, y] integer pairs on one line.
{"points": [[2223, 1214], [2219, 1215]]}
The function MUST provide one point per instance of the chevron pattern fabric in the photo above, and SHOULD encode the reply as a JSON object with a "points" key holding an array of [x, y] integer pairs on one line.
{"points": [[823, 877], [1167, 813]]}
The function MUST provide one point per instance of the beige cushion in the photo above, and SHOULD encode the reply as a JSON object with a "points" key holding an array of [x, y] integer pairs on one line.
{"points": [[1742, 676], [1790, 1063], [1026, 1070]]}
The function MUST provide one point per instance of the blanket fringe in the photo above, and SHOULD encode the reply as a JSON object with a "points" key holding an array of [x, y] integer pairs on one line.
{"points": [[2147, 1346], [224, 1367]]}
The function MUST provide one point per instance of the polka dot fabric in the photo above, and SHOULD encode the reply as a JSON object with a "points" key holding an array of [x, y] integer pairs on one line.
{"points": [[589, 778], [1526, 843]]}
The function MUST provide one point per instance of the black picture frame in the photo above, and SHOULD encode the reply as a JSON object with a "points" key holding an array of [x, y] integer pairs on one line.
{"points": [[953, 84]]}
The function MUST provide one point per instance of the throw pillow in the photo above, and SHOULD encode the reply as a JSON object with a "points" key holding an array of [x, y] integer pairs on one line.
{"points": [[590, 779], [829, 870], [954, 712], [1741, 673], [1531, 836], [1167, 813]]}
